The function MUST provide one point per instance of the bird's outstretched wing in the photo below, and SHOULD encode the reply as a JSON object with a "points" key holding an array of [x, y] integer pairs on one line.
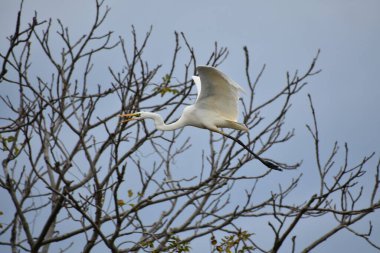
{"points": [[197, 82], [217, 92]]}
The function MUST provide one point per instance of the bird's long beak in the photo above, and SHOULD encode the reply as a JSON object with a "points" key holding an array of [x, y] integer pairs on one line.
{"points": [[128, 117]]}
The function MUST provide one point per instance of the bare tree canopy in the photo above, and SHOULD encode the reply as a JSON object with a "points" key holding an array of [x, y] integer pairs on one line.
{"points": [[74, 178]]}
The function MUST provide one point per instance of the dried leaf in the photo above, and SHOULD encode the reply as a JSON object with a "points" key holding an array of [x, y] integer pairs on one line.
{"points": [[120, 202]]}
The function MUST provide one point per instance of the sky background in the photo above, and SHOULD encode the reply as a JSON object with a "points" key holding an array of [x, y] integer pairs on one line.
{"points": [[284, 35]]}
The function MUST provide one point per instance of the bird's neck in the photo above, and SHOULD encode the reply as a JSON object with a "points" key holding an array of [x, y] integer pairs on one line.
{"points": [[160, 124]]}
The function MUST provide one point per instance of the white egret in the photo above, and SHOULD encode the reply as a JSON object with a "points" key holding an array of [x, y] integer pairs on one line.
{"points": [[216, 107]]}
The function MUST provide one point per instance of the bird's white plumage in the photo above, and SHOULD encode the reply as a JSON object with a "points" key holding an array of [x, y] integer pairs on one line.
{"points": [[198, 84], [218, 92], [216, 107]]}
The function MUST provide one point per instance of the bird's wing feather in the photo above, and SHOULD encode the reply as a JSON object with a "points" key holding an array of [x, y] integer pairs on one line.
{"points": [[218, 93], [197, 82]]}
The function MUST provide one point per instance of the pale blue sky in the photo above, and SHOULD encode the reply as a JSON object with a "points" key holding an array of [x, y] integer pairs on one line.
{"points": [[284, 35]]}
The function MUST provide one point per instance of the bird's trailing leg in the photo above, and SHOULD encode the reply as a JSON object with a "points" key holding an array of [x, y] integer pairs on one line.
{"points": [[267, 163]]}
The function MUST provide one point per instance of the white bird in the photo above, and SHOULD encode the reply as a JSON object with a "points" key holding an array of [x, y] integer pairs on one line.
{"points": [[216, 107]]}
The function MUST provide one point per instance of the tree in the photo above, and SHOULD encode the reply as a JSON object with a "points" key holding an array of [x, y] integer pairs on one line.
{"points": [[78, 178]]}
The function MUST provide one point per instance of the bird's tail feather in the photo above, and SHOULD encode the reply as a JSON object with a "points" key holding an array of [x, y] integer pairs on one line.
{"points": [[236, 125]]}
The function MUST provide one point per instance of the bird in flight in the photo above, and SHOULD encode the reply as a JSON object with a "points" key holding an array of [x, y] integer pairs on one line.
{"points": [[216, 107]]}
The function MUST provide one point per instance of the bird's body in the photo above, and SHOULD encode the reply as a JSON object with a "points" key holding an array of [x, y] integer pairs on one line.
{"points": [[216, 107]]}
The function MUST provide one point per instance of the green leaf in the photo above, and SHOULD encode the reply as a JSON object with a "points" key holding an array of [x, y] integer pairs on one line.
{"points": [[166, 89], [166, 79], [11, 139], [17, 150]]}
